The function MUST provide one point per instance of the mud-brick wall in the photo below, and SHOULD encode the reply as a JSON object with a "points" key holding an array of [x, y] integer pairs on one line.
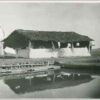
{"points": [[43, 53], [1, 49], [22, 53], [49, 53]]}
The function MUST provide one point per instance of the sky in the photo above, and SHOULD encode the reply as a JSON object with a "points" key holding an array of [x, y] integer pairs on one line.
{"points": [[83, 18]]}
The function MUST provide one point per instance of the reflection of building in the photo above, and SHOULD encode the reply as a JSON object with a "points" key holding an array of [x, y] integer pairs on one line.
{"points": [[21, 86], [46, 44]]}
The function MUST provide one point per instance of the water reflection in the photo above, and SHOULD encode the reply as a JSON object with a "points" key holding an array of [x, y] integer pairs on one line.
{"points": [[23, 85]]}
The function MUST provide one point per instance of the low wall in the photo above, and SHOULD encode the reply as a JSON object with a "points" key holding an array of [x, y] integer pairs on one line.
{"points": [[64, 52], [1, 49], [43, 53], [49, 53], [23, 53]]}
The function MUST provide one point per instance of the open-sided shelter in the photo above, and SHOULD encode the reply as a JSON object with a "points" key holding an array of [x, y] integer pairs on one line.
{"points": [[46, 44]]}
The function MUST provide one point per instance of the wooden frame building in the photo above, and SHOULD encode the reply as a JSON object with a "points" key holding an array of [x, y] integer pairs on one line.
{"points": [[47, 44]]}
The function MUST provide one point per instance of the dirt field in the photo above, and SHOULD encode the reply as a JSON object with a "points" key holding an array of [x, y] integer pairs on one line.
{"points": [[69, 61]]}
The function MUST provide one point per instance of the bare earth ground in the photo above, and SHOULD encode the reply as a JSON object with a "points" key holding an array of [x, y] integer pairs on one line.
{"points": [[68, 61]]}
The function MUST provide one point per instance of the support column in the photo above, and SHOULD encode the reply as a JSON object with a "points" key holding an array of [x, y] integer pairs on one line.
{"points": [[89, 47], [59, 44], [1, 48], [17, 53], [29, 46], [72, 47], [53, 46]]}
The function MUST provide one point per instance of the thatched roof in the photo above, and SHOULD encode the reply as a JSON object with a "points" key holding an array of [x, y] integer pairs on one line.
{"points": [[22, 37]]}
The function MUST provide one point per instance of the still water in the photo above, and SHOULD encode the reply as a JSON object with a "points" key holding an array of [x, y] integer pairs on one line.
{"points": [[81, 84]]}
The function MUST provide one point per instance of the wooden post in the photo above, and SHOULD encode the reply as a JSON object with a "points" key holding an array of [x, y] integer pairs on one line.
{"points": [[53, 46], [59, 44], [29, 46], [89, 47], [72, 47], [17, 53]]}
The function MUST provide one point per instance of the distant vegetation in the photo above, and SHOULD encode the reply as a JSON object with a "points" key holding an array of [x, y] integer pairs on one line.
{"points": [[95, 52]]}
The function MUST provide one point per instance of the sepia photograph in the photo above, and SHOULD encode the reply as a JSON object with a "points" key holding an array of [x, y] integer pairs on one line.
{"points": [[49, 50]]}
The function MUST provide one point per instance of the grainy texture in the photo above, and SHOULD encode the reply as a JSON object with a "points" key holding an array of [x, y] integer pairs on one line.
{"points": [[18, 36]]}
